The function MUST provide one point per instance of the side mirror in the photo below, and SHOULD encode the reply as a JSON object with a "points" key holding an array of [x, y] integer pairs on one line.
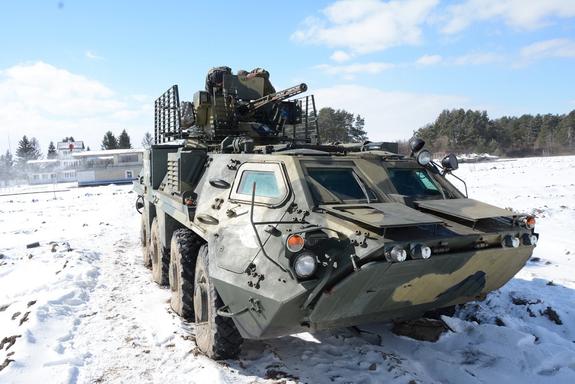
{"points": [[415, 144], [450, 163]]}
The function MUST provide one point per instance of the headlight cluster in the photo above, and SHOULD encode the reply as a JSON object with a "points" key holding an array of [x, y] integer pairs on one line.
{"points": [[511, 241], [530, 239], [528, 222], [397, 254], [305, 263]]}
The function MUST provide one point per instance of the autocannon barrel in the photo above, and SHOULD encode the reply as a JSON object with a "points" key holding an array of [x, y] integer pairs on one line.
{"points": [[274, 97]]}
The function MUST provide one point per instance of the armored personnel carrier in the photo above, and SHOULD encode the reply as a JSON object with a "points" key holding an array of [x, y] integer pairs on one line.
{"points": [[260, 231]]}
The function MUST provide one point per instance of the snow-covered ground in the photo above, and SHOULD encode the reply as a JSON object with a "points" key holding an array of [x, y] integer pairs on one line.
{"points": [[80, 307]]}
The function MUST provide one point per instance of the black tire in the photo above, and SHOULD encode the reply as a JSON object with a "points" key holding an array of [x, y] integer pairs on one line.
{"points": [[183, 252], [159, 255], [145, 242], [216, 336]]}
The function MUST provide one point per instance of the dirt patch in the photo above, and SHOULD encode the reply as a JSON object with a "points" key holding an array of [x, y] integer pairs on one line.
{"points": [[522, 301], [420, 329], [8, 341], [24, 318], [276, 374], [552, 315], [5, 363]]}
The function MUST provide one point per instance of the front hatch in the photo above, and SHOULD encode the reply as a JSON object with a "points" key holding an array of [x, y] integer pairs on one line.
{"points": [[381, 215], [467, 209]]}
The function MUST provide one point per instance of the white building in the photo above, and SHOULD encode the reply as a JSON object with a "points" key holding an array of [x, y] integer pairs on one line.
{"points": [[61, 169], [113, 166]]}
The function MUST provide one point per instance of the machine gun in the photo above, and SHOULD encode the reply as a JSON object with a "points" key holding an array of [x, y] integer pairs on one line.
{"points": [[246, 110], [235, 107]]}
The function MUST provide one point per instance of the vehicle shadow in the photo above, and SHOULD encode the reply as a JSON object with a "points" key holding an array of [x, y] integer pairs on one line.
{"points": [[533, 317]]}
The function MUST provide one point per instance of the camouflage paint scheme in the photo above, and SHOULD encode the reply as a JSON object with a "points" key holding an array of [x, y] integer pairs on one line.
{"points": [[355, 283]]}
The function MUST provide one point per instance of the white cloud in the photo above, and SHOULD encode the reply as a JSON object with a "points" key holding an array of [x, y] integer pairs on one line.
{"points": [[367, 26], [49, 103], [388, 115], [351, 69], [429, 60], [92, 56], [478, 58], [549, 48], [522, 14], [340, 56]]}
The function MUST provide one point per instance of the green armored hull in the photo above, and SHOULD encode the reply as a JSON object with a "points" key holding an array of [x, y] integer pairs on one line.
{"points": [[264, 232]]}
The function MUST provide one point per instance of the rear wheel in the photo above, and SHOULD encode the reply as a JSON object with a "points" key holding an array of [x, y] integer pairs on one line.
{"points": [[183, 252], [159, 255], [216, 336], [145, 242]]}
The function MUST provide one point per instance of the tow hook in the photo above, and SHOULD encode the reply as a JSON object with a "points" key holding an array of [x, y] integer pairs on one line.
{"points": [[255, 307]]}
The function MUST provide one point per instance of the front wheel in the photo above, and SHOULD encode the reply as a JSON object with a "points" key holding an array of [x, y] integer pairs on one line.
{"points": [[183, 252], [216, 336]]}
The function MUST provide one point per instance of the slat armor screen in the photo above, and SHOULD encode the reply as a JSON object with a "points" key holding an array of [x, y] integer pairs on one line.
{"points": [[167, 118]]}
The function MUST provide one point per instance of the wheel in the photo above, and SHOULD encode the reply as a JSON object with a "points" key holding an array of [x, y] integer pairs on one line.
{"points": [[159, 255], [183, 252], [216, 336], [145, 242]]}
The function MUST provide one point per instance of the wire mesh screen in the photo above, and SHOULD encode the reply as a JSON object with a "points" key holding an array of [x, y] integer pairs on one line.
{"points": [[167, 118]]}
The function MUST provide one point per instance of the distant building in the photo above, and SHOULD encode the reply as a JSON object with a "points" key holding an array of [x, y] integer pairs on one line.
{"points": [[65, 150], [61, 169], [113, 166]]}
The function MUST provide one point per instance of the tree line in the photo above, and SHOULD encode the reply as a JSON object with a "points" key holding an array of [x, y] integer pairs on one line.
{"points": [[468, 131], [341, 126]]}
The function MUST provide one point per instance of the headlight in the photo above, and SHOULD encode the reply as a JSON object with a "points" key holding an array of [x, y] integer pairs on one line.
{"points": [[396, 254], [305, 265], [295, 243], [529, 222], [424, 157], [510, 241], [419, 251], [529, 239]]}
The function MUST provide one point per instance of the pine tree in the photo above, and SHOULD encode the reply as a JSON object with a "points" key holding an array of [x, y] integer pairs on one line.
{"points": [[51, 151], [109, 141], [148, 140], [357, 132], [124, 140], [28, 150], [36, 152], [6, 167]]}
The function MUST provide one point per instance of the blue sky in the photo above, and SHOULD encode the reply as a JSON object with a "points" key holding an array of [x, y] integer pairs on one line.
{"points": [[82, 67]]}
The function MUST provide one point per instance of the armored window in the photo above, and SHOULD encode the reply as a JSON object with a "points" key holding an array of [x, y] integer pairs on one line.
{"points": [[270, 180], [333, 185], [265, 181], [413, 182]]}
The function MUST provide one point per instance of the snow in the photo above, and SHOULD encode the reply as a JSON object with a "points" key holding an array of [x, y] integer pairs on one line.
{"points": [[83, 308]]}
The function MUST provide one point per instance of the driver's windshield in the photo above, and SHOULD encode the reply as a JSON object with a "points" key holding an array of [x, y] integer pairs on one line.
{"points": [[338, 185], [413, 182]]}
